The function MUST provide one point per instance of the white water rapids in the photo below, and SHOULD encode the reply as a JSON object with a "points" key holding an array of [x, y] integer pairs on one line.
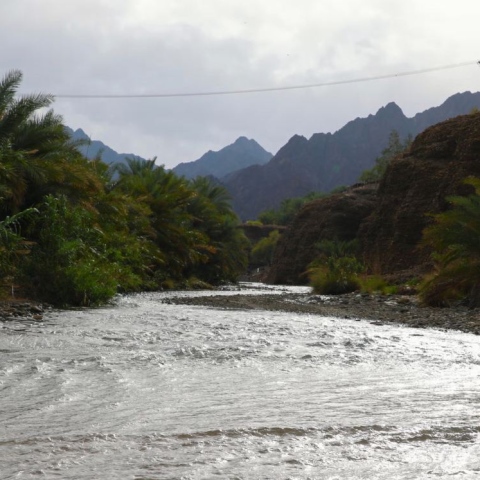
{"points": [[147, 390]]}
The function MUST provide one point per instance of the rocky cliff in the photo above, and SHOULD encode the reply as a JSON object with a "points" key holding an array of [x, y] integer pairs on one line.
{"points": [[416, 185], [388, 221]]}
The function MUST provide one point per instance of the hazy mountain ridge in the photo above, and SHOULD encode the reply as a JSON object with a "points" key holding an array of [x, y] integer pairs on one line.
{"points": [[92, 148], [239, 155], [328, 160]]}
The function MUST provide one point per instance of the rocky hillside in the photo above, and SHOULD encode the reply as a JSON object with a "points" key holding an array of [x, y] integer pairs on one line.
{"points": [[415, 185], [389, 221], [239, 155], [327, 160]]}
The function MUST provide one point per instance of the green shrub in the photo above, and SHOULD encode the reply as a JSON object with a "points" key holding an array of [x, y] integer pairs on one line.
{"points": [[336, 276], [91, 282], [373, 284], [336, 269], [390, 290], [376, 284]]}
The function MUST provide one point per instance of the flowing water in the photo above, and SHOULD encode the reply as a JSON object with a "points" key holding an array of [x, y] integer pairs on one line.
{"points": [[147, 390]]}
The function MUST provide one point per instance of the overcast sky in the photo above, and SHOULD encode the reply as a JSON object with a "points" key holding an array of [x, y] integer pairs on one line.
{"points": [[185, 46]]}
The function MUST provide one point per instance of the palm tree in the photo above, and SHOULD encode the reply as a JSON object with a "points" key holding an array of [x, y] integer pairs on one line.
{"points": [[14, 112], [37, 156], [166, 196], [216, 194], [455, 240], [212, 214]]}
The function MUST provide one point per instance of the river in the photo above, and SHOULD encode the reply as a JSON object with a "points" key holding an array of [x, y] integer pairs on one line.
{"points": [[148, 390]]}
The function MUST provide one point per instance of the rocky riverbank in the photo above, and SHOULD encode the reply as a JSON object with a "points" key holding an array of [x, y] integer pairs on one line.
{"points": [[379, 309], [21, 310]]}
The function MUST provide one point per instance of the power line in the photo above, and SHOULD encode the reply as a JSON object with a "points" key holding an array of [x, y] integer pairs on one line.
{"points": [[269, 89]]}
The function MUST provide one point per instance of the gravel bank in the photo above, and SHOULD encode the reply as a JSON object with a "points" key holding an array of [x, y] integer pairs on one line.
{"points": [[379, 309]]}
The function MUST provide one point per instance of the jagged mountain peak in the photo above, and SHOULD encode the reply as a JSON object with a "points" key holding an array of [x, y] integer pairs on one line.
{"points": [[240, 154], [295, 143], [390, 107], [390, 111], [80, 133]]}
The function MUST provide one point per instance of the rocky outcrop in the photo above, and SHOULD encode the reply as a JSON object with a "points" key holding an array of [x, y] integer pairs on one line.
{"points": [[336, 217], [415, 186]]}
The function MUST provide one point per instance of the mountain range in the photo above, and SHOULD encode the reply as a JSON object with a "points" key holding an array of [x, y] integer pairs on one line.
{"points": [[240, 154], [329, 160]]}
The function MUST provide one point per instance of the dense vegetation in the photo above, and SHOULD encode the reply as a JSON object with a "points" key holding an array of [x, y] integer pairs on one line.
{"points": [[74, 231]]}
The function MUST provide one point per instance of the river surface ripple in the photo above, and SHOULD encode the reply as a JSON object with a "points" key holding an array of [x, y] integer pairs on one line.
{"points": [[147, 390]]}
